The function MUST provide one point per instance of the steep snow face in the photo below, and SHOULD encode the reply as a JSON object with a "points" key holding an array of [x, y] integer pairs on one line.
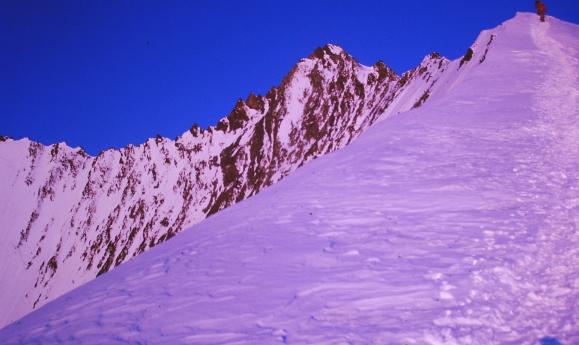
{"points": [[67, 217], [455, 223]]}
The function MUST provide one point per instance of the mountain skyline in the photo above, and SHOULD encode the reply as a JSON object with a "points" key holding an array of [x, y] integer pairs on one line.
{"points": [[447, 215], [96, 77], [73, 217]]}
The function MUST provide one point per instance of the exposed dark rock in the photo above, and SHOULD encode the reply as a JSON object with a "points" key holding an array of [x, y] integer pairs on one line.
{"points": [[483, 58], [384, 72], [132, 199], [467, 56], [54, 151], [52, 264], [255, 102], [422, 99], [195, 130], [238, 117], [222, 125], [435, 55]]}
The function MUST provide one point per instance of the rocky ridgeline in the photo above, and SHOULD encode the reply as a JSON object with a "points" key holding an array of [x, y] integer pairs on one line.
{"points": [[70, 217]]}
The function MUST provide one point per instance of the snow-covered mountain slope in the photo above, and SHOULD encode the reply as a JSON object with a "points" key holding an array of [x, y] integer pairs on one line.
{"points": [[67, 217], [455, 223]]}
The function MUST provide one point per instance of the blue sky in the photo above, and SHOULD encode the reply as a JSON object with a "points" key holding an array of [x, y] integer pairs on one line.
{"points": [[102, 74]]}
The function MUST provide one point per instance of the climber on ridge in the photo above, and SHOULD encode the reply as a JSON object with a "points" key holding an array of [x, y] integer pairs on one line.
{"points": [[541, 9]]}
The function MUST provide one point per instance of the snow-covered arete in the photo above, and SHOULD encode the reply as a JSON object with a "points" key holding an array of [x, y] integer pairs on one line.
{"points": [[454, 223], [68, 217]]}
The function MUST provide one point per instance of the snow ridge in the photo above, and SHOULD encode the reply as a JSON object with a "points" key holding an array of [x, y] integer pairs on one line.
{"points": [[72, 217], [455, 223]]}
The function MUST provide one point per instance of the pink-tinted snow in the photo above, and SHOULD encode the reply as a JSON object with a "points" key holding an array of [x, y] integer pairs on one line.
{"points": [[455, 223]]}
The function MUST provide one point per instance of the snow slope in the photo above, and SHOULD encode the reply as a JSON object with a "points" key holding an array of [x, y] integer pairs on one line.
{"points": [[66, 217], [454, 223]]}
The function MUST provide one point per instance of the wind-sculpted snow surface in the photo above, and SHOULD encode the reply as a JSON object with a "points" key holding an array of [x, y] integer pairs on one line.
{"points": [[455, 223], [67, 217]]}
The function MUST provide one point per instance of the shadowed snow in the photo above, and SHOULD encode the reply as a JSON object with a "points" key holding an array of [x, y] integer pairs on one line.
{"points": [[455, 223]]}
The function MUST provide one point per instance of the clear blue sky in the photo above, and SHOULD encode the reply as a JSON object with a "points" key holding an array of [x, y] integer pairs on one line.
{"points": [[101, 74]]}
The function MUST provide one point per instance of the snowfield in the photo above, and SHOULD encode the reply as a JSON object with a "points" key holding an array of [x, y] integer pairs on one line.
{"points": [[454, 223]]}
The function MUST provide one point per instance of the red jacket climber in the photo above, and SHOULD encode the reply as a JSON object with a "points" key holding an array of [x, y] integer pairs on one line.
{"points": [[541, 9]]}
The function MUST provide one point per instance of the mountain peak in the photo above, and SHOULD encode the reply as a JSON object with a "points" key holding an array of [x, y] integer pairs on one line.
{"points": [[439, 207], [384, 71], [123, 202], [330, 50], [335, 49]]}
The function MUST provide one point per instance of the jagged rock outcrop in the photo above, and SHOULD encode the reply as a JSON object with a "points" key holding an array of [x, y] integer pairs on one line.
{"points": [[68, 217]]}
